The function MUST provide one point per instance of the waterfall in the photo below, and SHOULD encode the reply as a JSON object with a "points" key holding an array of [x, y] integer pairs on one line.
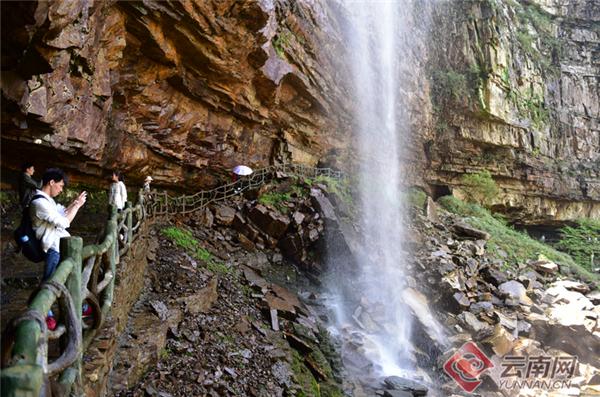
{"points": [[369, 306]]}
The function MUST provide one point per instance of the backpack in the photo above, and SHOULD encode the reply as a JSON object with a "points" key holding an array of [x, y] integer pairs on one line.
{"points": [[25, 237]]}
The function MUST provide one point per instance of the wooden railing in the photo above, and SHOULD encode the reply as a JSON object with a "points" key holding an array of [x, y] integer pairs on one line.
{"points": [[88, 274], [163, 204]]}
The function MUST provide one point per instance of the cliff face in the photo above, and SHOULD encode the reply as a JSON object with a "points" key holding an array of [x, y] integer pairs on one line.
{"points": [[186, 90], [518, 94], [179, 90]]}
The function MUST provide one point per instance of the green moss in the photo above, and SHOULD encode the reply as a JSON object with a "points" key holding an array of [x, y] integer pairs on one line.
{"points": [[182, 237], [518, 245], [280, 41], [276, 200], [217, 267], [339, 187], [415, 197], [309, 387], [466, 87], [185, 239]]}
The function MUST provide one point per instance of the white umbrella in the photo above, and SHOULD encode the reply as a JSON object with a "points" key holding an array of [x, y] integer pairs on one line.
{"points": [[242, 170]]}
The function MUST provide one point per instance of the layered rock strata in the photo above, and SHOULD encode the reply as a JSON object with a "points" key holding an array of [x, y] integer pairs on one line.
{"points": [[185, 90]]}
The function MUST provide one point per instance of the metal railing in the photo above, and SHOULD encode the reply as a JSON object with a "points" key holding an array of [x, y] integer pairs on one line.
{"points": [[88, 274]]}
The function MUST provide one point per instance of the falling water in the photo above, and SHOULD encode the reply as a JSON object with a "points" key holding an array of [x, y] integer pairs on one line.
{"points": [[371, 306], [375, 66]]}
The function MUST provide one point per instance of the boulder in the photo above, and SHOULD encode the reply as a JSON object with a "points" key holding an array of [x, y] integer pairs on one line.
{"points": [[246, 242], [404, 384], [594, 297], [298, 217], [292, 246], [270, 222], [500, 341], [479, 307], [544, 266], [421, 309], [322, 204], [254, 279], [470, 321], [464, 230], [508, 320], [431, 210], [573, 286], [224, 215], [462, 299], [514, 293], [493, 276], [202, 301]]}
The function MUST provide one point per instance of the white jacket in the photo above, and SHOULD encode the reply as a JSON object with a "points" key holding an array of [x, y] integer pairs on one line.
{"points": [[49, 221], [118, 195]]}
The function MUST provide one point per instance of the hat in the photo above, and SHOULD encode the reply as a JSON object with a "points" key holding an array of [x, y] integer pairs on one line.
{"points": [[148, 179]]}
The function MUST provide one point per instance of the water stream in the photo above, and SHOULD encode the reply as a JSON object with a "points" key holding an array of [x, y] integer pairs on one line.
{"points": [[371, 313]]}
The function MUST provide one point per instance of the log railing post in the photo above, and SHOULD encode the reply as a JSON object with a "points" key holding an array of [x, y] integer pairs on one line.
{"points": [[113, 259], [129, 222], [71, 247]]}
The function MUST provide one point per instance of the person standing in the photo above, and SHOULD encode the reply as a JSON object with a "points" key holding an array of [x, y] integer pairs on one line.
{"points": [[27, 185], [147, 183], [118, 192], [50, 220]]}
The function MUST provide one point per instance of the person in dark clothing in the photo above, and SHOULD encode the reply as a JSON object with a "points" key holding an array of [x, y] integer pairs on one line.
{"points": [[27, 185]]}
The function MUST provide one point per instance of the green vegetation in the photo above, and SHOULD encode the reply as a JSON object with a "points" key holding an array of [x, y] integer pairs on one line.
{"points": [[97, 199], [280, 41], [582, 242], [304, 378], [415, 197], [450, 84], [185, 239], [8, 199], [276, 200], [549, 48], [339, 187], [281, 193], [519, 246], [460, 86], [480, 188], [529, 105]]}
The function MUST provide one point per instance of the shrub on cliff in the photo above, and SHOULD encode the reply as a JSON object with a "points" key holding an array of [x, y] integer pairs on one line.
{"points": [[480, 188], [582, 242]]}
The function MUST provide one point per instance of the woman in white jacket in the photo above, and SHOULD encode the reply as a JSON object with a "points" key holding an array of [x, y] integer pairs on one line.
{"points": [[118, 191]]}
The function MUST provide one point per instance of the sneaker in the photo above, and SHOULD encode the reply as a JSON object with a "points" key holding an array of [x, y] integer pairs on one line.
{"points": [[51, 323], [86, 310]]}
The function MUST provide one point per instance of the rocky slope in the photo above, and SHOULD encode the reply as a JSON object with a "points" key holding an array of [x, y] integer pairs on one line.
{"points": [[248, 319], [185, 90]]}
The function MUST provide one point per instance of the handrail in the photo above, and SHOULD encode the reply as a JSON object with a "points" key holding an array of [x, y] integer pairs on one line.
{"points": [[89, 273]]}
